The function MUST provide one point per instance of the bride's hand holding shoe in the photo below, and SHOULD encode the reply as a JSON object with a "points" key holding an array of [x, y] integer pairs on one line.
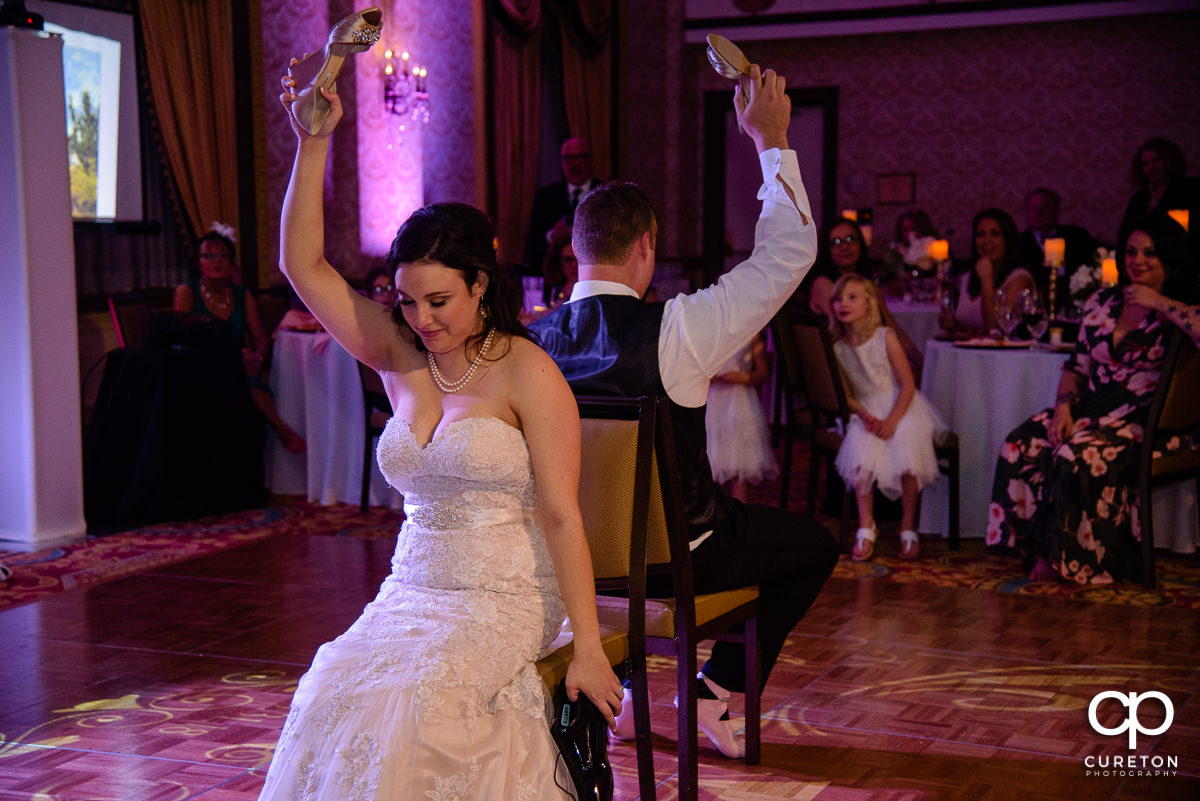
{"points": [[288, 97], [590, 673]]}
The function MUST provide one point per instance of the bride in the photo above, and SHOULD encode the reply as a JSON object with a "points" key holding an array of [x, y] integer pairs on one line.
{"points": [[432, 692]]}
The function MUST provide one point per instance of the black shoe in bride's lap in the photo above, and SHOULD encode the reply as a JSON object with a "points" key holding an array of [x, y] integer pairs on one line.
{"points": [[581, 734]]}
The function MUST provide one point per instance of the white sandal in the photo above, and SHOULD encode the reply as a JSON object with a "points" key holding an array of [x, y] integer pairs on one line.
{"points": [[910, 545], [864, 544]]}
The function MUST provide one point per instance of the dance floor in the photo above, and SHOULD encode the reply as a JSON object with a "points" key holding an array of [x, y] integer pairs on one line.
{"points": [[173, 683]]}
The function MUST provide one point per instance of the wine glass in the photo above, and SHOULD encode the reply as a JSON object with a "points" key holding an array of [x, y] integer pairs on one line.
{"points": [[1008, 316], [1034, 315]]}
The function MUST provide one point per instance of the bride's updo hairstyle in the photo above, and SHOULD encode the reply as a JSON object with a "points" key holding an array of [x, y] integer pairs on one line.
{"points": [[460, 237]]}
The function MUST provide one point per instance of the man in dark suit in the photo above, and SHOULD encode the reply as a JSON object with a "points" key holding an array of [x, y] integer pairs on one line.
{"points": [[554, 205], [1042, 207], [608, 342]]}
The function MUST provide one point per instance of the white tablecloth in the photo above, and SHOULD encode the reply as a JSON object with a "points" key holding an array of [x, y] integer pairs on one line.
{"points": [[319, 394], [919, 320], [983, 395]]}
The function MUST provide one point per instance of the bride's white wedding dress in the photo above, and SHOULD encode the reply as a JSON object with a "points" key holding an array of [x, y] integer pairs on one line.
{"points": [[432, 694]]}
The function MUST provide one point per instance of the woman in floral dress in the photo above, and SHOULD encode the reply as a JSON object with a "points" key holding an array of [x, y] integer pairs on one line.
{"points": [[1065, 492]]}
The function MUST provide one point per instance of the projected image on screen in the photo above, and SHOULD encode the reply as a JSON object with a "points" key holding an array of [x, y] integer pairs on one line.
{"points": [[102, 108], [92, 90]]}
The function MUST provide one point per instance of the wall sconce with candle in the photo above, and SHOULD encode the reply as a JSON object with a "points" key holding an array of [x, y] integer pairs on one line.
{"points": [[404, 88]]}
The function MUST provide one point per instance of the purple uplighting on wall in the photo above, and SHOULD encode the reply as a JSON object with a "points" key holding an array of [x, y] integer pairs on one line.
{"points": [[390, 174]]}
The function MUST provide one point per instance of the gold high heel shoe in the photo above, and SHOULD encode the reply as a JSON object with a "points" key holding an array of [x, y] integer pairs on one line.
{"points": [[354, 34]]}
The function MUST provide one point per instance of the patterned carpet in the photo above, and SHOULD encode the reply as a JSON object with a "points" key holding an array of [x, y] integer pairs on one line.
{"points": [[101, 559]]}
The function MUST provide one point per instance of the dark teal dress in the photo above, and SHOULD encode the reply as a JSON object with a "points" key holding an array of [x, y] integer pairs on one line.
{"points": [[237, 318]]}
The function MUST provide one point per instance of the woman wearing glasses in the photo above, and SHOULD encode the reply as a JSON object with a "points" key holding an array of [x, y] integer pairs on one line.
{"points": [[845, 252], [380, 287]]}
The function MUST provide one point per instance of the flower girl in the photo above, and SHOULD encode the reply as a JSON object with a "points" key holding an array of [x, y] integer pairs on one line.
{"points": [[889, 441], [739, 443]]}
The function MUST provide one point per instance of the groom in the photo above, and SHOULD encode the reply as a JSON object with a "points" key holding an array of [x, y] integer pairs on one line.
{"points": [[607, 342]]}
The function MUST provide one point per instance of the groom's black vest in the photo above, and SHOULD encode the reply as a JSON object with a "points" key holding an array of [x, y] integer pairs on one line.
{"points": [[608, 345]]}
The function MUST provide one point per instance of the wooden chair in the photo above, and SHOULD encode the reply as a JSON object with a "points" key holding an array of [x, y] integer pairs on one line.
{"points": [[630, 492], [789, 385], [613, 497], [272, 305], [1174, 412], [807, 350], [376, 411], [131, 319]]}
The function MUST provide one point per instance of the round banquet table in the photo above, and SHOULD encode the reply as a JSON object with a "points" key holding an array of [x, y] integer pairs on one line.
{"points": [[319, 394], [919, 320], [983, 394]]}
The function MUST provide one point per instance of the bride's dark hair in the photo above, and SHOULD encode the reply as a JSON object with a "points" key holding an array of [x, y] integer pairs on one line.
{"points": [[462, 238]]}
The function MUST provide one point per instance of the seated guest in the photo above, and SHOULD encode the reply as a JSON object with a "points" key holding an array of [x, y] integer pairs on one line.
{"points": [[554, 204], [380, 287], [1041, 212], [1065, 491], [214, 295], [910, 242], [845, 252], [1159, 171], [560, 269], [992, 274]]}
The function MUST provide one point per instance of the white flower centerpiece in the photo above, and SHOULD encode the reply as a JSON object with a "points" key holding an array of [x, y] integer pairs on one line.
{"points": [[1084, 282]]}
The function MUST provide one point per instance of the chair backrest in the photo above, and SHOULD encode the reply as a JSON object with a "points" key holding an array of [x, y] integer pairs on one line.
{"points": [[131, 319], [617, 437], [1175, 409], [822, 381], [791, 370], [271, 308], [630, 495], [375, 398]]}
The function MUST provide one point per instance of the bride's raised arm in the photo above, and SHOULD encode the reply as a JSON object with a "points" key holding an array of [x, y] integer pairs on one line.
{"points": [[363, 327]]}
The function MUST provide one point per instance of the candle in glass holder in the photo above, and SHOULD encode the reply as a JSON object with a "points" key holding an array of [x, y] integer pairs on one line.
{"points": [[1108, 272], [939, 250], [1180, 216], [1055, 250]]}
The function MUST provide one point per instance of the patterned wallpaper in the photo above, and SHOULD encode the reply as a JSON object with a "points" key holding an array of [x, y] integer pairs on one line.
{"points": [[980, 116], [984, 115], [652, 50], [377, 175]]}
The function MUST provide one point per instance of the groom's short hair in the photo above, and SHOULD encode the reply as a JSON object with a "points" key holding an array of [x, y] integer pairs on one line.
{"points": [[609, 220]]}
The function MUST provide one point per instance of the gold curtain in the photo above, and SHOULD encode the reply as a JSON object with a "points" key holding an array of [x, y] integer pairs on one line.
{"points": [[587, 76], [516, 119], [587, 94], [189, 53]]}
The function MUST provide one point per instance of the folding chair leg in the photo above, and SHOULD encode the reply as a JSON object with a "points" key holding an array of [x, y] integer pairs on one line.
{"points": [[954, 501], [1145, 512], [366, 474], [785, 478], [814, 472], [689, 743], [753, 694], [644, 735]]}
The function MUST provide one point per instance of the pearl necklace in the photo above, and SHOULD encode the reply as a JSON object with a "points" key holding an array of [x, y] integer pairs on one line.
{"points": [[218, 308], [451, 387]]}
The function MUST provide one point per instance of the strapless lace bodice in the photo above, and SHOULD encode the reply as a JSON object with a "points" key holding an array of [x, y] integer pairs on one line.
{"points": [[432, 692], [471, 504]]}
